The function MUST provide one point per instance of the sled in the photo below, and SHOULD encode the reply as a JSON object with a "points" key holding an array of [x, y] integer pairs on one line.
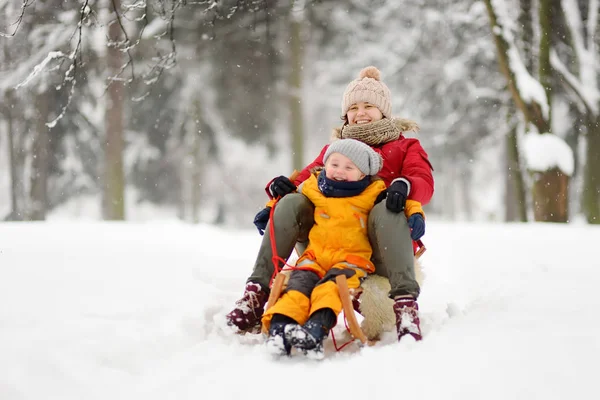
{"points": [[348, 308], [346, 297]]}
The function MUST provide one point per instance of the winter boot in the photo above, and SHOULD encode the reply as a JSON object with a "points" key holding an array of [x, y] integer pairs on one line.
{"points": [[309, 337], [277, 343], [248, 311], [407, 317]]}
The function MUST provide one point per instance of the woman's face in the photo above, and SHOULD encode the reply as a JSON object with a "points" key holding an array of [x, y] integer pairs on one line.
{"points": [[363, 113], [338, 167]]}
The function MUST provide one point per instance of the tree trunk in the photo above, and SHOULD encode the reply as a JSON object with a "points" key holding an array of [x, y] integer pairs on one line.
{"points": [[38, 192], [591, 177], [550, 196], [15, 213], [196, 177], [516, 198], [114, 177], [556, 193], [526, 32], [295, 91], [466, 184], [545, 69], [450, 208]]}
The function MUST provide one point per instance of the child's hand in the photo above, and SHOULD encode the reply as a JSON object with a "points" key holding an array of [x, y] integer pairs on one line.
{"points": [[262, 219], [416, 223]]}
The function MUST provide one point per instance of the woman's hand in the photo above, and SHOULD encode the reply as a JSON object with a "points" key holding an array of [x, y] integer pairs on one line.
{"points": [[262, 219], [281, 186], [396, 196], [416, 223]]}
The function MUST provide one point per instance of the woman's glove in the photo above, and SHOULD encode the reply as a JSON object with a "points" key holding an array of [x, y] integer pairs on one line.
{"points": [[282, 186], [381, 196], [262, 219], [396, 196], [416, 223]]}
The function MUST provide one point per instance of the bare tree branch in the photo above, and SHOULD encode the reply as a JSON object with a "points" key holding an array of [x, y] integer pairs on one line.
{"points": [[212, 11], [125, 43], [26, 3], [72, 71]]}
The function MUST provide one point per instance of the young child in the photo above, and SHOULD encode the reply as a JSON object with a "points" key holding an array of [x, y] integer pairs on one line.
{"points": [[343, 193]]}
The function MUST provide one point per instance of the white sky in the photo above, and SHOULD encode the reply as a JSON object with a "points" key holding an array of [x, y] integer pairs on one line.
{"points": [[94, 310]]}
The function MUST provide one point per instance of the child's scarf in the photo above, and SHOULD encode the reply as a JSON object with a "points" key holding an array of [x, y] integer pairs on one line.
{"points": [[331, 188]]}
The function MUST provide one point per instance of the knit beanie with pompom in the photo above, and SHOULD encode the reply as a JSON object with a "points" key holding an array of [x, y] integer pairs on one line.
{"points": [[368, 161], [368, 88]]}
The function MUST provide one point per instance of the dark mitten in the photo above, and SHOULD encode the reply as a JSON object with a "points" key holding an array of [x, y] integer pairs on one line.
{"points": [[416, 223], [282, 186], [381, 196], [396, 196], [262, 219]]}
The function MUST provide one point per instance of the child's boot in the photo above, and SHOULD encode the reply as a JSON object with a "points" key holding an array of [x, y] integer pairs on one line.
{"points": [[277, 344], [248, 311], [309, 337], [407, 317]]}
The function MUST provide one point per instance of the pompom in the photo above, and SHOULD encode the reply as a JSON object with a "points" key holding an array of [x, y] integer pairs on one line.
{"points": [[370, 72]]}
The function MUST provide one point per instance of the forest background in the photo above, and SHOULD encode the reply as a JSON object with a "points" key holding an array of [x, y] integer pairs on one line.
{"points": [[191, 107]]}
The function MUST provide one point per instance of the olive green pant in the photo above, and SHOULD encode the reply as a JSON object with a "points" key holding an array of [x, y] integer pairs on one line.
{"points": [[388, 233]]}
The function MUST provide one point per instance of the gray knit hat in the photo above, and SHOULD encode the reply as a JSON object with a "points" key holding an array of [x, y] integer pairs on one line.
{"points": [[366, 159], [368, 88]]}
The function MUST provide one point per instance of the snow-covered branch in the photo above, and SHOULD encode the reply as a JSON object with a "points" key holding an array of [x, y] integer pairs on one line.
{"points": [[574, 83], [529, 88], [24, 5], [528, 93], [585, 83], [53, 55], [31, 68]]}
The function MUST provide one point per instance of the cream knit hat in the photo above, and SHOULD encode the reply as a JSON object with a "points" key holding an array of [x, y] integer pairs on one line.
{"points": [[368, 161], [368, 88]]}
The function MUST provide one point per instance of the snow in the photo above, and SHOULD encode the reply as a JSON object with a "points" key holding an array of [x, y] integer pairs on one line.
{"points": [[544, 152], [93, 310]]}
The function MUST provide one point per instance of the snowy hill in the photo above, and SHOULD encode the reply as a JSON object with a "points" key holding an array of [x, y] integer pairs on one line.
{"points": [[134, 311]]}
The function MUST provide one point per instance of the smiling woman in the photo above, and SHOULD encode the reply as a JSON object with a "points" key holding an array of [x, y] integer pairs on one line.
{"points": [[367, 92], [363, 113]]}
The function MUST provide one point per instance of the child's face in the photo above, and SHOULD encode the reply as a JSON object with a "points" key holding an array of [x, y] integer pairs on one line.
{"points": [[363, 113], [338, 167]]}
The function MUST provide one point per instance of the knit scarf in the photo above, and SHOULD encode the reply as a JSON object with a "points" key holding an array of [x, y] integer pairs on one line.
{"points": [[332, 188], [377, 133]]}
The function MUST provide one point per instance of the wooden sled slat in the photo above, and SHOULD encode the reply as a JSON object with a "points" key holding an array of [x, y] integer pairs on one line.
{"points": [[274, 295], [421, 250], [353, 325]]}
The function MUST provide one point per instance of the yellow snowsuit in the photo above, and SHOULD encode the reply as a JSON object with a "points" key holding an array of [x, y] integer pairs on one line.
{"points": [[337, 240]]}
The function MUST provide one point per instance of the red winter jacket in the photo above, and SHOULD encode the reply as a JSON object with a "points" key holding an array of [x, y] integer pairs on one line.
{"points": [[402, 158]]}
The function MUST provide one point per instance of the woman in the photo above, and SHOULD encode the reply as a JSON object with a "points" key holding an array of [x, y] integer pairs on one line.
{"points": [[407, 174]]}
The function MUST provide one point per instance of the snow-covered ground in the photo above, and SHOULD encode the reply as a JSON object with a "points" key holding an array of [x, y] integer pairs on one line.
{"points": [[95, 310]]}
